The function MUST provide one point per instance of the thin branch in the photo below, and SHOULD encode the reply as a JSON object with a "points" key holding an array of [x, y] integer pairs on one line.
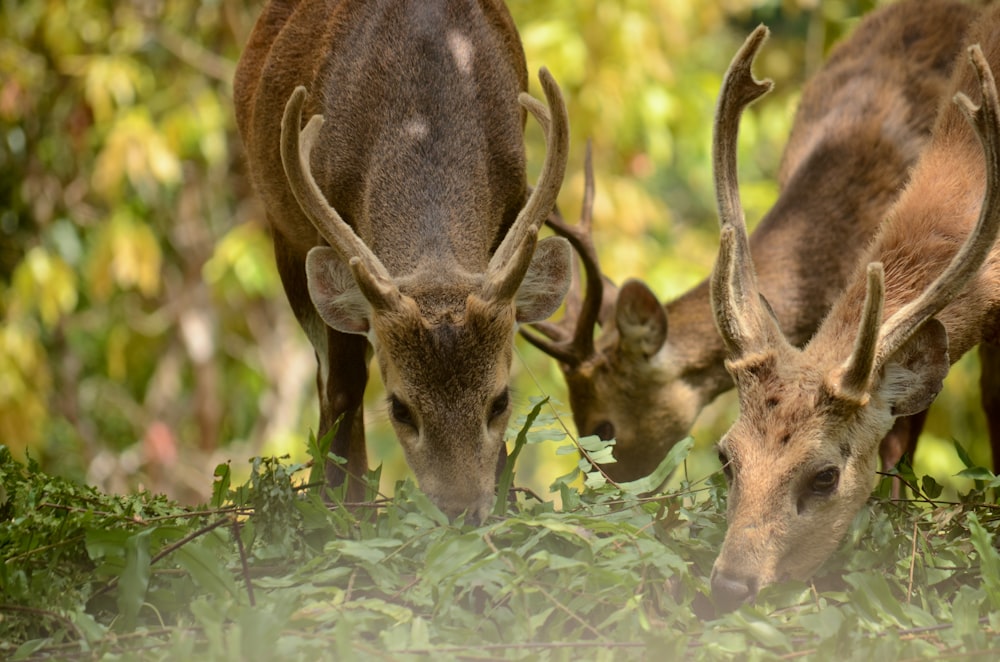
{"points": [[46, 614], [166, 551], [913, 563], [243, 562], [196, 55]]}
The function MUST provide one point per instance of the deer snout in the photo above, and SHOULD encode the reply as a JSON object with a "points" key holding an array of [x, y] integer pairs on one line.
{"points": [[730, 591], [476, 510]]}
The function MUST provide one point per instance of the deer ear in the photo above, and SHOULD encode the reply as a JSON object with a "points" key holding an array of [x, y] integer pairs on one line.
{"points": [[546, 282], [334, 293], [641, 320], [914, 375]]}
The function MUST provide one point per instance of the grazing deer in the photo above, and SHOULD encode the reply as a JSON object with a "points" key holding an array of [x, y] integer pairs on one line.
{"points": [[401, 218], [802, 455], [862, 122]]}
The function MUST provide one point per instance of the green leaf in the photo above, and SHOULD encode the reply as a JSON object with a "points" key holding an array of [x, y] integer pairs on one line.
{"points": [[872, 592], [826, 623], [427, 507], [318, 449], [674, 458], [134, 579], [507, 475], [930, 487], [362, 550], [220, 486], [28, 648], [976, 473], [762, 629], [963, 455], [989, 558], [102, 542], [206, 568]]}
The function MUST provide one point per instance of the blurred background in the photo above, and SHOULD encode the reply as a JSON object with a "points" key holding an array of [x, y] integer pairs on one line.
{"points": [[145, 336]]}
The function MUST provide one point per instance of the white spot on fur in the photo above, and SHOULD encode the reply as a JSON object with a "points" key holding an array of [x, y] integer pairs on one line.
{"points": [[416, 128], [461, 50]]}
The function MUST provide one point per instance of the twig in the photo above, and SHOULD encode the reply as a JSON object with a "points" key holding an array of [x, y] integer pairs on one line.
{"points": [[196, 55], [913, 563], [165, 551], [913, 488], [583, 452], [243, 562], [48, 614], [488, 539], [142, 521], [350, 585], [531, 645], [44, 548]]}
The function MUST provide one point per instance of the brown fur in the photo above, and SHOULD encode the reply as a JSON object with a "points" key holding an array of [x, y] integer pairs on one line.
{"points": [[421, 153], [798, 420], [863, 120]]}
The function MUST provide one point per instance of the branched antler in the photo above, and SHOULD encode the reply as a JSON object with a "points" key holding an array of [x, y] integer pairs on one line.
{"points": [[740, 315], [296, 147], [511, 259], [571, 340]]}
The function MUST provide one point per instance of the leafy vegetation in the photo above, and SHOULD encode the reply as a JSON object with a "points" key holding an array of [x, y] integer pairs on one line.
{"points": [[272, 571]]}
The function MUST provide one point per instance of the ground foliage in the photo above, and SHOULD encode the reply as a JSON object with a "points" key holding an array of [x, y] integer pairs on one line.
{"points": [[271, 571]]}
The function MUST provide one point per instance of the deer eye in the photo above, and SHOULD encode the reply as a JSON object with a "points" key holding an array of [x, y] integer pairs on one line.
{"points": [[605, 430], [825, 481], [500, 404], [400, 412]]}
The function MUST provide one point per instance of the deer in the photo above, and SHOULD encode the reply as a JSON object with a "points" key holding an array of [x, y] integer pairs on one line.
{"points": [[402, 221], [800, 459], [863, 120]]}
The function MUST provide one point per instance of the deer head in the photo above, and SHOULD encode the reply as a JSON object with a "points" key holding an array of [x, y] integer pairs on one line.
{"points": [[442, 335], [801, 457], [604, 390]]}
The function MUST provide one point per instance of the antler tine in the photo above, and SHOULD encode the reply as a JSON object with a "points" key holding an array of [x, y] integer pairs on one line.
{"points": [[858, 370], [296, 148], [739, 312], [543, 197], [593, 298], [558, 350], [985, 119], [573, 335]]}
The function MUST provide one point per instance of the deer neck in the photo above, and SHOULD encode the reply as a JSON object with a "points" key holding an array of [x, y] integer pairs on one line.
{"points": [[915, 245], [693, 342]]}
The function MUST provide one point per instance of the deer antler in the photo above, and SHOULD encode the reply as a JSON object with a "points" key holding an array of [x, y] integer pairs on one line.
{"points": [[511, 259], [985, 120], [743, 319], [571, 340], [854, 383], [296, 146]]}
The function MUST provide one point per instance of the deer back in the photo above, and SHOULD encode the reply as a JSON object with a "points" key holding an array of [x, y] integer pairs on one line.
{"points": [[404, 202], [802, 455], [408, 152]]}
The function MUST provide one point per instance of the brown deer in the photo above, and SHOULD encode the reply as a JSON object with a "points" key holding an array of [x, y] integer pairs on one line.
{"points": [[862, 122], [401, 217], [802, 455]]}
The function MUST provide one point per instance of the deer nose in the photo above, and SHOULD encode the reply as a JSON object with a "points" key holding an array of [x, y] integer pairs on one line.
{"points": [[475, 511], [730, 591]]}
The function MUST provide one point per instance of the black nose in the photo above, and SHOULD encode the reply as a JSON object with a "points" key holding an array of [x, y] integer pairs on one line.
{"points": [[729, 591]]}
